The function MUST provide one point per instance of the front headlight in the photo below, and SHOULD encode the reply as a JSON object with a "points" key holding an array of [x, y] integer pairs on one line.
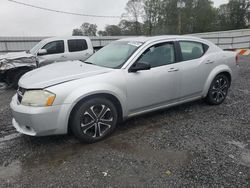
{"points": [[38, 98]]}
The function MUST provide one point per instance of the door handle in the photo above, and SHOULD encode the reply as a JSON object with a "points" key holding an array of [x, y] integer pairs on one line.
{"points": [[173, 69], [63, 56], [209, 62]]}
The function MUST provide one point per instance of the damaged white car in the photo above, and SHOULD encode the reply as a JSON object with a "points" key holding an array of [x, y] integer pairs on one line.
{"points": [[14, 65], [47, 51]]}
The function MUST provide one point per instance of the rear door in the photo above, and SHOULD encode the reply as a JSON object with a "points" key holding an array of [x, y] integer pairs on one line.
{"points": [[78, 49], [194, 68], [55, 53]]}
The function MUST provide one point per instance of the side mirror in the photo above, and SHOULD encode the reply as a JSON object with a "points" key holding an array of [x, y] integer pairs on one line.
{"points": [[139, 65], [42, 52]]}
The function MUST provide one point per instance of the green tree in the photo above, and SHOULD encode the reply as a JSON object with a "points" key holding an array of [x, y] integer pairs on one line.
{"points": [[238, 11], [77, 32], [223, 18], [157, 17], [129, 27], [204, 15], [171, 17], [102, 33], [152, 13], [113, 30], [89, 29], [134, 12], [234, 15]]}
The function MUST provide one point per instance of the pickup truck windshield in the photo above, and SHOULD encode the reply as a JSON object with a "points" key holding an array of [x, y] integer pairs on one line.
{"points": [[35, 48], [114, 55]]}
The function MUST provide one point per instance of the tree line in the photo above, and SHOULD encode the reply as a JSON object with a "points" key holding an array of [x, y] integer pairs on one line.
{"points": [[158, 17]]}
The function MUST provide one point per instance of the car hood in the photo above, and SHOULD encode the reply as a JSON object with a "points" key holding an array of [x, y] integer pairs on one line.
{"points": [[15, 55], [59, 73]]}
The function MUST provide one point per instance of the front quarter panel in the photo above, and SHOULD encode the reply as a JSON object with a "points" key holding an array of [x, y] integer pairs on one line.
{"points": [[89, 90], [72, 92]]}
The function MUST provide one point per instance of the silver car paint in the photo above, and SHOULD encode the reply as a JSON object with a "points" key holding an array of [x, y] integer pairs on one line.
{"points": [[58, 73], [190, 82]]}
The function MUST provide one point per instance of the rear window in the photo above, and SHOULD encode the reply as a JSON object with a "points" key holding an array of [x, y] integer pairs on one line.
{"points": [[76, 45], [192, 50]]}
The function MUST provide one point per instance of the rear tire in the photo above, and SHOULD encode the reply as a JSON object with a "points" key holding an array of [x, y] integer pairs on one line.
{"points": [[218, 90], [94, 120]]}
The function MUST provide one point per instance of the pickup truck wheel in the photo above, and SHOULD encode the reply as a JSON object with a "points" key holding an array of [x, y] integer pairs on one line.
{"points": [[218, 90], [94, 120]]}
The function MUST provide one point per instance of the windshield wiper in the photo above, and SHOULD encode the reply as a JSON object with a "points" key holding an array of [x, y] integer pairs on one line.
{"points": [[86, 62]]}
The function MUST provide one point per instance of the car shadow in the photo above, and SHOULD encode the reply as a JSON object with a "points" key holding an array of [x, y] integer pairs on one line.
{"points": [[145, 120]]}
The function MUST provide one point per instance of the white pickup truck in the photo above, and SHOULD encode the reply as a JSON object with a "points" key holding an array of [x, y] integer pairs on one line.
{"points": [[47, 51]]}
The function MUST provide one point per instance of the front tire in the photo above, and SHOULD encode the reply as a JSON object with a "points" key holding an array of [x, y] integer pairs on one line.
{"points": [[218, 90], [94, 120]]}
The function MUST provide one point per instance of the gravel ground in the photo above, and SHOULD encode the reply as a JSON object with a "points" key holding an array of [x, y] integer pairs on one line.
{"points": [[192, 145]]}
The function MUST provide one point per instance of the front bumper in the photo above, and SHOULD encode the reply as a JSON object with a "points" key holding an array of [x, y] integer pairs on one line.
{"points": [[39, 121]]}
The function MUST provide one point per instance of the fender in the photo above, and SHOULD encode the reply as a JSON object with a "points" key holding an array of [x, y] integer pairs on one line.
{"points": [[217, 70], [85, 91], [89, 90]]}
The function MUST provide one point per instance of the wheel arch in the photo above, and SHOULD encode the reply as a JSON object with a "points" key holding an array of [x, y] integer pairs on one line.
{"points": [[228, 75], [107, 96], [18, 69], [8, 75], [222, 69]]}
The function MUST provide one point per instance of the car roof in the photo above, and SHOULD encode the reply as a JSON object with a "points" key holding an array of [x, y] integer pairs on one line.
{"points": [[144, 39], [65, 38]]}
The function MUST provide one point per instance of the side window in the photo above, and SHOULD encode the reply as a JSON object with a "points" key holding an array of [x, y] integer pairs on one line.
{"points": [[159, 55], [192, 50], [55, 47], [77, 45]]}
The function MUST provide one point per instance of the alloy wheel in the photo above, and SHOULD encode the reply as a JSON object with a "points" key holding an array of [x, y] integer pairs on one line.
{"points": [[96, 120], [219, 89]]}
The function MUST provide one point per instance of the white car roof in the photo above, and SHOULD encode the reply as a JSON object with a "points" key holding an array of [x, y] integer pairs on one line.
{"points": [[154, 38], [65, 38]]}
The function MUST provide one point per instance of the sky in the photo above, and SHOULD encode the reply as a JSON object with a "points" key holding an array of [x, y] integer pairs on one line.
{"points": [[19, 20]]}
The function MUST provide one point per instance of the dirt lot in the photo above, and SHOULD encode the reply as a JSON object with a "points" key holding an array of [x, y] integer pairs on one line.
{"points": [[190, 145]]}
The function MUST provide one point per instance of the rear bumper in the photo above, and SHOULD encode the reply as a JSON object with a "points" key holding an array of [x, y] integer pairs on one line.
{"points": [[39, 121]]}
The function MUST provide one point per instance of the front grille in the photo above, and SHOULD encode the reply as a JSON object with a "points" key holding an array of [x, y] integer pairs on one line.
{"points": [[20, 93]]}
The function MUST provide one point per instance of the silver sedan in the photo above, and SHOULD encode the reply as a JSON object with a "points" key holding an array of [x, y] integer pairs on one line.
{"points": [[126, 78]]}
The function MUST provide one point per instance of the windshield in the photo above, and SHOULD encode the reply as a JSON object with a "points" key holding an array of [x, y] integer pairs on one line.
{"points": [[114, 55], [35, 48]]}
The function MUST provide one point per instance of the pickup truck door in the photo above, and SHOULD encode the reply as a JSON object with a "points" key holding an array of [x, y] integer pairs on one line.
{"points": [[78, 49], [55, 53], [158, 86]]}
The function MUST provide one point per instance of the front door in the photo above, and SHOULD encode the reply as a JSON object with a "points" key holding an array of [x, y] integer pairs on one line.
{"points": [[158, 86], [55, 53]]}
